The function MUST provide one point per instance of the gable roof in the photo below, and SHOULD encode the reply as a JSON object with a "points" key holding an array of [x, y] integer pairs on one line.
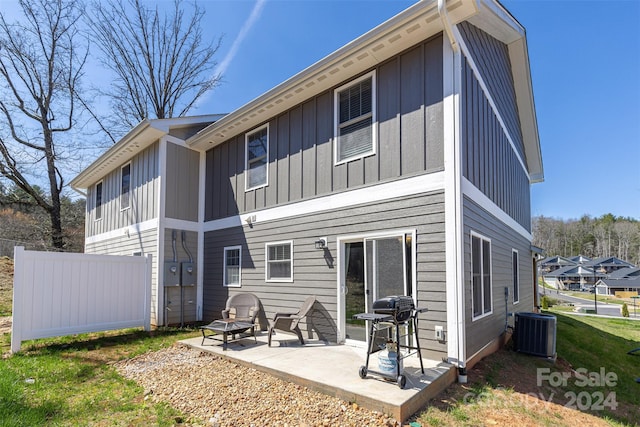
{"points": [[580, 259], [622, 283], [625, 273], [557, 260], [608, 262], [136, 140], [416, 23], [572, 271]]}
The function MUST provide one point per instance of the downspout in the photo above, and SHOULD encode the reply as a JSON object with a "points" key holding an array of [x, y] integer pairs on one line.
{"points": [[461, 358], [446, 24]]}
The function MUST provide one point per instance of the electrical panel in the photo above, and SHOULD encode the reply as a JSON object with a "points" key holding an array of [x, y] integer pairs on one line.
{"points": [[188, 272], [171, 274]]}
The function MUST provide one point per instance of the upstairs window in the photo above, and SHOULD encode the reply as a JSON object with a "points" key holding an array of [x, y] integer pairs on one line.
{"points": [[480, 276], [355, 119], [279, 262], [99, 200], [257, 157], [125, 186]]}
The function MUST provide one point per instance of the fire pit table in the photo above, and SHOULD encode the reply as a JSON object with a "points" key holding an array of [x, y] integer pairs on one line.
{"points": [[226, 327]]}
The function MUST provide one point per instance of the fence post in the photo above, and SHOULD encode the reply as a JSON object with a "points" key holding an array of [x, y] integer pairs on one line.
{"points": [[147, 292], [16, 310]]}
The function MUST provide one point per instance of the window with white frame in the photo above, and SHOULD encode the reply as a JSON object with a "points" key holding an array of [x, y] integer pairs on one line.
{"points": [[98, 200], [355, 119], [232, 266], [257, 158], [279, 262], [125, 186], [516, 276], [480, 275]]}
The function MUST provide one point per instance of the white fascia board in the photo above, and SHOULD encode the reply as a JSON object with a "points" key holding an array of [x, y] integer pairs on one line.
{"points": [[471, 191], [123, 231], [389, 190]]}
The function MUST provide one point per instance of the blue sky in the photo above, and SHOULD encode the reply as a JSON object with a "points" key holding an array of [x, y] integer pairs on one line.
{"points": [[585, 65]]}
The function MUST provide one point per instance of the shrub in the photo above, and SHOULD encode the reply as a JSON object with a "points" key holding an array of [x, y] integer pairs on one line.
{"points": [[625, 310], [546, 302]]}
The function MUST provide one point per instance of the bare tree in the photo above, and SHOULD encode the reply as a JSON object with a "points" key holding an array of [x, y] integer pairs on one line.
{"points": [[40, 71], [161, 62]]}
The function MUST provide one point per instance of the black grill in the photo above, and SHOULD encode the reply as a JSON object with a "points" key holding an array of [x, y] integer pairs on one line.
{"points": [[398, 306]]}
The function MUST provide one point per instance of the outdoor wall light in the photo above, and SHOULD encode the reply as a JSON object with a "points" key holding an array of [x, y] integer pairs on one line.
{"points": [[321, 243]]}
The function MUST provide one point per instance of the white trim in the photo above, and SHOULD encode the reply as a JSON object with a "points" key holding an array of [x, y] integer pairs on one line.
{"points": [[376, 193], [487, 94], [482, 240], [161, 209], [454, 267], [119, 232], [246, 158], [517, 277], [374, 118], [471, 191], [130, 192], [177, 141], [224, 266], [266, 262], [181, 224]]}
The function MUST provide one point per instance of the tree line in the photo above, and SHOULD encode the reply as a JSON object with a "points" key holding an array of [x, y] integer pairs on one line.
{"points": [[153, 63], [604, 236]]}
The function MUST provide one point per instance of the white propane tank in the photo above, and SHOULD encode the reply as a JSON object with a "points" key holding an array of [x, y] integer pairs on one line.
{"points": [[387, 361]]}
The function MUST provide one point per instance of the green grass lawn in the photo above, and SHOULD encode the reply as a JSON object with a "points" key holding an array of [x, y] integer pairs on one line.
{"points": [[69, 381]]}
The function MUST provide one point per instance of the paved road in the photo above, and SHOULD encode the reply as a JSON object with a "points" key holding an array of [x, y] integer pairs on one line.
{"points": [[587, 303]]}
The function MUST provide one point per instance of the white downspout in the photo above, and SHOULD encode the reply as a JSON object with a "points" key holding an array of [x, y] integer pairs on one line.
{"points": [[453, 197]]}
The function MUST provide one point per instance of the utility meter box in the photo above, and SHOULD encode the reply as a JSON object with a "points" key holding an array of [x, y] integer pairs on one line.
{"points": [[188, 271], [171, 274]]}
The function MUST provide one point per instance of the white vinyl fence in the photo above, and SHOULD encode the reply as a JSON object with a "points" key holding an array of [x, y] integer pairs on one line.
{"points": [[57, 294]]}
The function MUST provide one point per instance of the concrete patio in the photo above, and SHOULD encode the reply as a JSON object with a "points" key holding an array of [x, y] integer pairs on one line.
{"points": [[333, 370]]}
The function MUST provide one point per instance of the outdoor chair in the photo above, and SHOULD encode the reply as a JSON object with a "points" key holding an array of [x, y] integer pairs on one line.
{"points": [[243, 307], [288, 322]]}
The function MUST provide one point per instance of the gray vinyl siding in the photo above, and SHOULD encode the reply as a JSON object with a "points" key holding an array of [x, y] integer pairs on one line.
{"points": [[187, 293], [503, 240], [315, 271], [492, 59], [146, 243], [143, 195], [301, 153], [488, 159], [183, 171]]}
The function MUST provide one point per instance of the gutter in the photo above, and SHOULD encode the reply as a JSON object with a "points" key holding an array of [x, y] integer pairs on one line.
{"points": [[446, 24]]}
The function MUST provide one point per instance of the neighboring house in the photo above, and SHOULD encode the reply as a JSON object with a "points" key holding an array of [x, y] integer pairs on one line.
{"points": [[580, 259], [554, 263], [611, 286], [572, 277], [399, 164], [625, 273], [608, 264]]}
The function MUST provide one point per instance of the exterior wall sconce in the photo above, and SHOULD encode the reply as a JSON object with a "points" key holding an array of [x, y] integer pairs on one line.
{"points": [[321, 243]]}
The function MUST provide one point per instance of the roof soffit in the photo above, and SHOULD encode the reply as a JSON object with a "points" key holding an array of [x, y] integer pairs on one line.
{"points": [[413, 25]]}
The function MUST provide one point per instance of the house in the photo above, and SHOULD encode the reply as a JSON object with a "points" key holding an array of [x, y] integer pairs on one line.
{"points": [[614, 286], [580, 259], [399, 164], [625, 273], [572, 277], [608, 264], [554, 263]]}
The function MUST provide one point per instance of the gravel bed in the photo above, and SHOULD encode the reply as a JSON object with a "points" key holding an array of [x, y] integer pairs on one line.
{"points": [[213, 391]]}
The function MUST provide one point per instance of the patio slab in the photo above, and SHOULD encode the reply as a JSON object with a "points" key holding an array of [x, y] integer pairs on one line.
{"points": [[333, 370]]}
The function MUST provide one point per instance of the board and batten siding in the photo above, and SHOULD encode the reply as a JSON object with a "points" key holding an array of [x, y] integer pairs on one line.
{"points": [[144, 243], [503, 241], [301, 153], [143, 195], [182, 183], [488, 159], [315, 271], [492, 59]]}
